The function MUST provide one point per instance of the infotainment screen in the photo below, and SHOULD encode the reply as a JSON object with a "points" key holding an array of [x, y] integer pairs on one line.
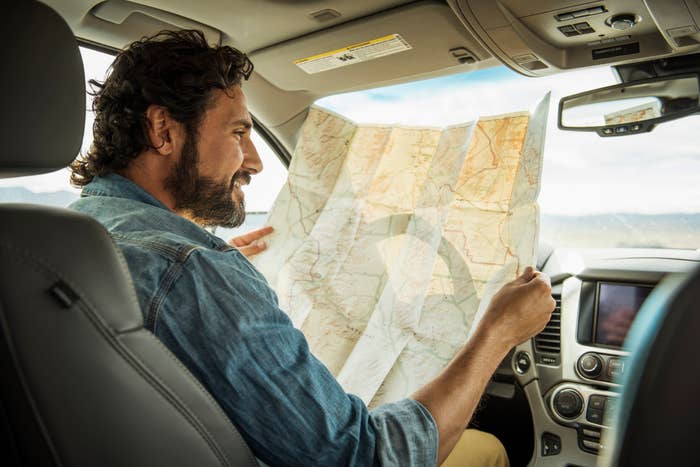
{"points": [[617, 306]]}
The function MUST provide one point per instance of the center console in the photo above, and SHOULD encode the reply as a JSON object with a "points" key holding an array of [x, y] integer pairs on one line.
{"points": [[581, 392], [595, 360], [571, 371]]}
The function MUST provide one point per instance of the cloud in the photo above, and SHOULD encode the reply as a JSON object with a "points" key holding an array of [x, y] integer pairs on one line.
{"points": [[583, 174]]}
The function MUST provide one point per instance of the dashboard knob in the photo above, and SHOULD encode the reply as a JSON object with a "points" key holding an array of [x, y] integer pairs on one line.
{"points": [[522, 362], [568, 403], [590, 365]]}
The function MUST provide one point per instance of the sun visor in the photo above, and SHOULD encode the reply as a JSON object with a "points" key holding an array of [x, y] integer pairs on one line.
{"points": [[419, 39], [541, 37]]}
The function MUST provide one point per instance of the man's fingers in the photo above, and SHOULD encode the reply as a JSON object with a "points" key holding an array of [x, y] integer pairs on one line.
{"points": [[250, 237], [526, 276], [540, 281], [253, 249], [544, 277], [543, 285]]}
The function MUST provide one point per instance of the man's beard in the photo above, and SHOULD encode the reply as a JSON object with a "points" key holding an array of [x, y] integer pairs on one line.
{"points": [[203, 199]]}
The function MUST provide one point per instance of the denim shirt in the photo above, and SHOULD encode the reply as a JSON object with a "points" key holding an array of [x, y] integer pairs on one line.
{"points": [[218, 315]]}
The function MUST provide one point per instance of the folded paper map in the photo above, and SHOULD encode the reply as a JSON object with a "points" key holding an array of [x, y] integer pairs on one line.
{"points": [[387, 240]]}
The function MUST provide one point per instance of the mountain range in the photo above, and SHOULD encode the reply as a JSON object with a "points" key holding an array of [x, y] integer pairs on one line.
{"points": [[675, 230]]}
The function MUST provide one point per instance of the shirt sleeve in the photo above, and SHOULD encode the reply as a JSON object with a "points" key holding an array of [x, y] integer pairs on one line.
{"points": [[222, 320]]}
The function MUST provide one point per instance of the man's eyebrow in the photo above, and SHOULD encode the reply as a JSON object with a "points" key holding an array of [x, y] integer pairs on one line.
{"points": [[244, 122]]}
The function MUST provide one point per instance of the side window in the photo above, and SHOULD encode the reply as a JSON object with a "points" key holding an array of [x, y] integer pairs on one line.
{"points": [[262, 191], [55, 189]]}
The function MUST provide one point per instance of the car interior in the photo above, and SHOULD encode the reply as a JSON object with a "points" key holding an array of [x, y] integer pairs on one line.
{"points": [[83, 383]]}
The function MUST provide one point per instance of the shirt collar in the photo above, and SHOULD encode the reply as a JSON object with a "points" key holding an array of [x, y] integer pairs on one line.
{"points": [[116, 186], [120, 187]]}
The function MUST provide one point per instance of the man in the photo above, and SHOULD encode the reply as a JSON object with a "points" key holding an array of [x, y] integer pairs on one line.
{"points": [[171, 150]]}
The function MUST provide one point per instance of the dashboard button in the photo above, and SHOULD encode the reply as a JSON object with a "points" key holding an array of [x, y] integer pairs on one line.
{"points": [[568, 403], [590, 365], [551, 444], [546, 360], [594, 415], [611, 408], [596, 402], [591, 444], [616, 367]]}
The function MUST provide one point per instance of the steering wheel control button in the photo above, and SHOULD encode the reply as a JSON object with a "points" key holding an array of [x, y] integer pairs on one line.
{"points": [[568, 403], [551, 444], [616, 367], [522, 362], [590, 365]]}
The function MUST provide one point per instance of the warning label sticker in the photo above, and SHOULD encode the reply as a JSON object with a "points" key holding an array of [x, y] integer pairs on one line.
{"points": [[355, 53]]}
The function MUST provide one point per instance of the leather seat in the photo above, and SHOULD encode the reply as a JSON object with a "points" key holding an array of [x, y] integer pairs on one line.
{"points": [[83, 383], [658, 419]]}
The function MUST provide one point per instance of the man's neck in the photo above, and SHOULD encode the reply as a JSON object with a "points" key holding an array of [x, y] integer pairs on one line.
{"points": [[150, 172]]}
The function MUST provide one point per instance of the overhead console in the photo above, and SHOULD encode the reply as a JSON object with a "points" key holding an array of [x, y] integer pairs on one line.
{"points": [[540, 37]]}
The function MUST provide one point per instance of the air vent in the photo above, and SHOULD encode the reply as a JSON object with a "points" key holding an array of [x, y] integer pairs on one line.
{"points": [[549, 340]]}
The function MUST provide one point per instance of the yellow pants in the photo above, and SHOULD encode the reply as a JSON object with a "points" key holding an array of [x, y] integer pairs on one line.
{"points": [[478, 449]]}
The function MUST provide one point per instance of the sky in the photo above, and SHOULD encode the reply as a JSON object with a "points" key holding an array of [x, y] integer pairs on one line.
{"points": [[650, 173]]}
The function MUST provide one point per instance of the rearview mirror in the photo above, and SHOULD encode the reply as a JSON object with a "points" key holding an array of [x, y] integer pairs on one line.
{"points": [[630, 108]]}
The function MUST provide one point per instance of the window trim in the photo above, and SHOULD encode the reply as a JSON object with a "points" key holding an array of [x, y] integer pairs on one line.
{"points": [[97, 47], [272, 141]]}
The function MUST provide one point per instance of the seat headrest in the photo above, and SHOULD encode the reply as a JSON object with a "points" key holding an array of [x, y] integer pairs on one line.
{"points": [[43, 91]]}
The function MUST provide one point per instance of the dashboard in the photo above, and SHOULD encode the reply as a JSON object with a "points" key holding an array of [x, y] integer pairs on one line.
{"points": [[570, 372]]}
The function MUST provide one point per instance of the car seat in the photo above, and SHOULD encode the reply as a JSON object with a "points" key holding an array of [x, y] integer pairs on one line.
{"points": [[82, 382]]}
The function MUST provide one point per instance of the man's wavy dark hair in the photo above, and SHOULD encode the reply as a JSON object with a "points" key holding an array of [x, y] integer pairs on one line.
{"points": [[174, 69]]}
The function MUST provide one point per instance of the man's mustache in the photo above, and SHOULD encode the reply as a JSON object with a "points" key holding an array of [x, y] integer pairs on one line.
{"points": [[242, 176]]}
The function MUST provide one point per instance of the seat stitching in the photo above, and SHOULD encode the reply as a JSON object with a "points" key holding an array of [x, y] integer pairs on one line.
{"points": [[197, 383], [184, 255]]}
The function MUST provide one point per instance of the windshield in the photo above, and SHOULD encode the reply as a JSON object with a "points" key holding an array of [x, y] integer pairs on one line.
{"points": [[633, 191]]}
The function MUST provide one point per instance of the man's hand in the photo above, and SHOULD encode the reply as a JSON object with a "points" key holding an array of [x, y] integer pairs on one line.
{"points": [[520, 309], [251, 244]]}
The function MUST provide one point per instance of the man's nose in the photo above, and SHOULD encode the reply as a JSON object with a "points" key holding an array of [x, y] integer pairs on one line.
{"points": [[251, 158]]}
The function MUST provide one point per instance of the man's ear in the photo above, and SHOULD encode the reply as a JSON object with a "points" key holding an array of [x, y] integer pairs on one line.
{"points": [[162, 130]]}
